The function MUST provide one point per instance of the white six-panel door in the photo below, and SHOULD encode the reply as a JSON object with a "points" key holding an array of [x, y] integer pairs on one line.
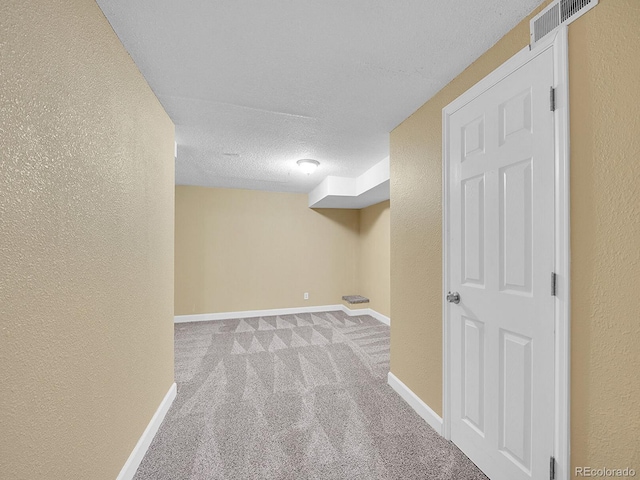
{"points": [[500, 259]]}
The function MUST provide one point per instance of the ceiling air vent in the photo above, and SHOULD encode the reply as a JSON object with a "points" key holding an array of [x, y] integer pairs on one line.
{"points": [[560, 12]]}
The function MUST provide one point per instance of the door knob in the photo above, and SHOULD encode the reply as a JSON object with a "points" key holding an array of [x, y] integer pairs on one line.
{"points": [[453, 297]]}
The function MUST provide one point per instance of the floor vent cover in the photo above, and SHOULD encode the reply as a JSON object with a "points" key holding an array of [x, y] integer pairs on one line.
{"points": [[560, 12]]}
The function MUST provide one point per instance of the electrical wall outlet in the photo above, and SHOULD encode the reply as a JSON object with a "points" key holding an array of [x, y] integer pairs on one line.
{"points": [[306, 295]]}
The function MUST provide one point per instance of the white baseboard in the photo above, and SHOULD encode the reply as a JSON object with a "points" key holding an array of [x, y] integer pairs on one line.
{"points": [[205, 317], [133, 462], [421, 408], [367, 311]]}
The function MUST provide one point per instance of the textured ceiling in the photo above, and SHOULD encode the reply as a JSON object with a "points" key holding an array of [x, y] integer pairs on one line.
{"points": [[255, 85]]}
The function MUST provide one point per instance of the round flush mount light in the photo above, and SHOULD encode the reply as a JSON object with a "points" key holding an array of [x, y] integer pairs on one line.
{"points": [[308, 166]]}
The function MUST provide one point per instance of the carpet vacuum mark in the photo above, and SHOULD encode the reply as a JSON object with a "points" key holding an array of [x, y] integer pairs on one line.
{"points": [[293, 397]]}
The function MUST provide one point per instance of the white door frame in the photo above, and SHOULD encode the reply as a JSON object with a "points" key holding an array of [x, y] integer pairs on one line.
{"points": [[559, 44]]}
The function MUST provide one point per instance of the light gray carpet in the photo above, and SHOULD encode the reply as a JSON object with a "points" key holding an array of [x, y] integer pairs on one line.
{"points": [[293, 397]]}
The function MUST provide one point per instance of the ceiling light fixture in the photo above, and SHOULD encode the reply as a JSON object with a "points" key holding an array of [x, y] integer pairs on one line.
{"points": [[308, 166]]}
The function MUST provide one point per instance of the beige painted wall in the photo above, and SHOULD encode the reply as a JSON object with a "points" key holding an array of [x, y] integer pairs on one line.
{"points": [[86, 244], [249, 250], [605, 213], [604, 82], [374, 256]]}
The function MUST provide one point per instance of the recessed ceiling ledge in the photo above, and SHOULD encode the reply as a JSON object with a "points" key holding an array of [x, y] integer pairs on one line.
{"points": [[343, 192]]}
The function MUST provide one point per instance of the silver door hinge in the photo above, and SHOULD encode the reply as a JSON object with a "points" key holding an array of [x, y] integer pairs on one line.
{"points": [[552, 468], [554, 284], [552, 99]]}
